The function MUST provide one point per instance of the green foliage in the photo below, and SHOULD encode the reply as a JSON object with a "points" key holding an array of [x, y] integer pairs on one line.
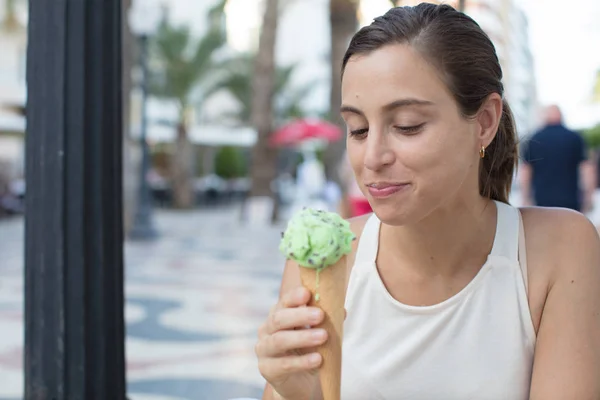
{"points": [[230, 163], [592, 137], [596, 92], [199, 164], [237, 80], [183, 63]]}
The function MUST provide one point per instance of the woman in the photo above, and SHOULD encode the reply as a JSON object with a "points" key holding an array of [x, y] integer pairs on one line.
{"points": [[452, 293]]}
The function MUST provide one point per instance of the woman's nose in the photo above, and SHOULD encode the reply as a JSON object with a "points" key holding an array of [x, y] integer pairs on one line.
{"points": [[378, 153]]}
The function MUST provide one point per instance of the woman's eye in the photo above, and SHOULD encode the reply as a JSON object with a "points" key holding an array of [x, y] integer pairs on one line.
{"points": [[359, 133], [409, 130]]}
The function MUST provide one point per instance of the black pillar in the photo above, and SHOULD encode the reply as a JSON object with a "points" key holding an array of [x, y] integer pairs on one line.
{"points": [[74, 325]]}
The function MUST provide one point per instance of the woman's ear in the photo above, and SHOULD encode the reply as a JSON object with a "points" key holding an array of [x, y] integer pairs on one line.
{"points": [[488, 118]]}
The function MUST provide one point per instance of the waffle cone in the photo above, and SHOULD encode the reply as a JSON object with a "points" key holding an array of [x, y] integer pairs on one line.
{"points": [[332, 292]]}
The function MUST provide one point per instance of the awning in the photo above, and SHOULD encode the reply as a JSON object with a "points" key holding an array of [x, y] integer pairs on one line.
{"points": [[207, 135]]}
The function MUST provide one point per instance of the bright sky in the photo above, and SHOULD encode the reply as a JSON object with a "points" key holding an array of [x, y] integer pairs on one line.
{"points": [[565, 40], [564, 36], [239, 23]]}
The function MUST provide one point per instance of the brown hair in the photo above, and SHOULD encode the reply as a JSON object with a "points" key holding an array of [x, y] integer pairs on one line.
{"points": [[457, 46]]}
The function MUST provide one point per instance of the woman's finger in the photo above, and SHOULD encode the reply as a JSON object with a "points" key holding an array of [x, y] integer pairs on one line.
{"points": [[274, 369], [291, 318], [295, 298], [283, 342]]}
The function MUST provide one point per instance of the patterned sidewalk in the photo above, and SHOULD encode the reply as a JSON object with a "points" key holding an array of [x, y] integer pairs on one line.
{"points": [[195, 299]]}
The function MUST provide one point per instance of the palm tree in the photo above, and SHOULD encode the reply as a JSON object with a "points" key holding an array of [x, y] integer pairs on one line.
{"points": [[287, 101], [185, 67], [343, 24], [263, 156]]}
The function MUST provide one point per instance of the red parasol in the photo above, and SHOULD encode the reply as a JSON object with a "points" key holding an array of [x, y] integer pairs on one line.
{"points": [[297, 131]]}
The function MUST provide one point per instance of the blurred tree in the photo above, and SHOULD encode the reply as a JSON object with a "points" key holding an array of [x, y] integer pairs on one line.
{"points": [[592, 137], [186, 66], [343, 24], [199, 170], [161, 159], [264, 157], [596, 93], [396, 3], [462, 5], [230, 163], [287, 101]]}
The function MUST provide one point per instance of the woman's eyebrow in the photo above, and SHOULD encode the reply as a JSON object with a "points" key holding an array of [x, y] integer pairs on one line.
{"points": [[389, 107], [406, 103], [350, 109]]}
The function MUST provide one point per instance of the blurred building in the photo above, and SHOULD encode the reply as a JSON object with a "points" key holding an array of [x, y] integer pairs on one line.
{"points": [[521, 86], [506, 24], [13, 42]]}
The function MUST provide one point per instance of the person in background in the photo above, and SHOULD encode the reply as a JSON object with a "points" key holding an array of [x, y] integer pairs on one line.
{"points": [[310, 176], [556, 171], [311, 182]]}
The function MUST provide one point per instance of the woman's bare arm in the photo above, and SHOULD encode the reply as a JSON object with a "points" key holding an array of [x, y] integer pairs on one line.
{"points": [[567, 356]]}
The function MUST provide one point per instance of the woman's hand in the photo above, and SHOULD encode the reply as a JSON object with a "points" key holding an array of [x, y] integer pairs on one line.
{"points": [[285, 348]]}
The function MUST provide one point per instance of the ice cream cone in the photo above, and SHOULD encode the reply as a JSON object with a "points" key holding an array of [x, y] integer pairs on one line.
{"points": [[319, 242], [331, 296]]}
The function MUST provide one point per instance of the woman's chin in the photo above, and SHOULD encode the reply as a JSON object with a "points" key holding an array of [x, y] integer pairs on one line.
{"points": [[390, 215]]}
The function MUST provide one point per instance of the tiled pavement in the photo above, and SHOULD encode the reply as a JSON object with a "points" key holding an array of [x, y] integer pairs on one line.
{"points": [[195, 298]]}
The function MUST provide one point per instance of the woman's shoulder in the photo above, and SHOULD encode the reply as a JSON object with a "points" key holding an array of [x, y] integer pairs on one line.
{"points": [[558, 238], [558, 227]]}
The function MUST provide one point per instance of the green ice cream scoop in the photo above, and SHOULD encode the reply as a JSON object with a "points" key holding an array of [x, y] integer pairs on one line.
{"points": [[316, 239]]}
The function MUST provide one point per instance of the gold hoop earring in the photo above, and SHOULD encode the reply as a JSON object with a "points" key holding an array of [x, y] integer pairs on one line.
{"points": [[482, 152]]}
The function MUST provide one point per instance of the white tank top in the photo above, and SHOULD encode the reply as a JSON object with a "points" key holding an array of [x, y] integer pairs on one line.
{"points": [[478, 344]]}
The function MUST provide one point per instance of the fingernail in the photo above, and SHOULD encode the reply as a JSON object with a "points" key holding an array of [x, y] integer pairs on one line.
{"points": [[315, 315], [314, 358], [319, 334]]}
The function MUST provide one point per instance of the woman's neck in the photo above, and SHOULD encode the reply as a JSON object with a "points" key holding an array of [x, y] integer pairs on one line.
{"points": [[451, 237]]}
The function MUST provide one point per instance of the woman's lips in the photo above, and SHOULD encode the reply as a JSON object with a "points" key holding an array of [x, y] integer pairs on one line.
{"points": [[381, 191]]}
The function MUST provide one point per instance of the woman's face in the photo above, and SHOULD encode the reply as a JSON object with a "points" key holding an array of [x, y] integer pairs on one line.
{"points": [[409, 146]]}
